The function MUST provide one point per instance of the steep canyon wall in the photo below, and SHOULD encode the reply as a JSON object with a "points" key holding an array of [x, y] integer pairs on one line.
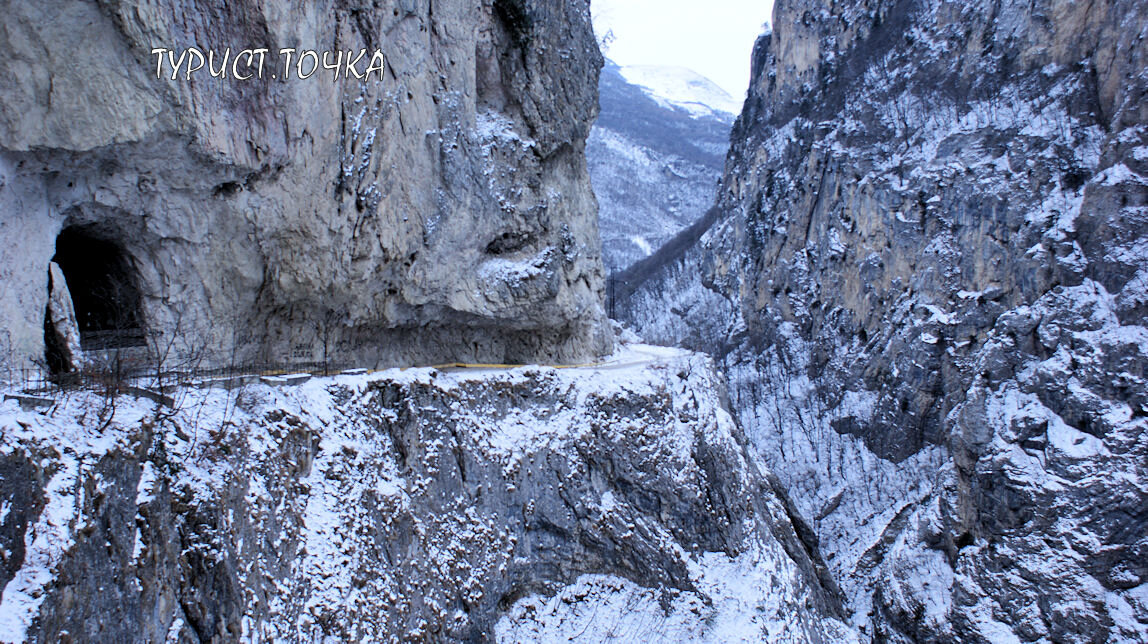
{"points": [[930, 241], [439, 212]]}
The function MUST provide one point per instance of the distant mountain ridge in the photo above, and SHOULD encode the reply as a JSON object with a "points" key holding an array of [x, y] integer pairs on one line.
{"points": [[679, 87], [655, 156]]}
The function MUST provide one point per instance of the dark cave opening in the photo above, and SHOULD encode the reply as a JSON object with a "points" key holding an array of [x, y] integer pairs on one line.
{"points": [[104, 289]]}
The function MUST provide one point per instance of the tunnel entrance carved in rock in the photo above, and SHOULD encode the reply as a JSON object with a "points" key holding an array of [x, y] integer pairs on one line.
{"points": [[102, 284]]}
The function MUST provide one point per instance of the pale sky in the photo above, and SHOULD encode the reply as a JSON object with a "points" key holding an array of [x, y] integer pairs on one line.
{"points": [[714, 38]]}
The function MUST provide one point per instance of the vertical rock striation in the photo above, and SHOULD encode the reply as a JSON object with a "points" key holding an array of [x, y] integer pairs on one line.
{"points": [[931, 233]]}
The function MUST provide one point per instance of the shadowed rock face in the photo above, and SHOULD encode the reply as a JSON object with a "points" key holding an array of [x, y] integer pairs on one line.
{"points": [[394, 220], [931, 229], [882, 172]]}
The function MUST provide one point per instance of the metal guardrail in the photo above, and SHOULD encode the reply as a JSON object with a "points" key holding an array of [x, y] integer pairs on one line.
{"points": [[35, 387], [133, 378]]}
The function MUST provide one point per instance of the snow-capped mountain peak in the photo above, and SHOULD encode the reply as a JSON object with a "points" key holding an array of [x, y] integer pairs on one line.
{"points": [[679, 87]]}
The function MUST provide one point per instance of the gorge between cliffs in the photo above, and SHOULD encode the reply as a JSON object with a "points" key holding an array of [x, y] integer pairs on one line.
{"points": [[507, 342]]}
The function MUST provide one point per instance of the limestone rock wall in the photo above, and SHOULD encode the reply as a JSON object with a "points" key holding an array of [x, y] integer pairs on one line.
{"points": [[911, 170], [932, 228], [441, 213]]}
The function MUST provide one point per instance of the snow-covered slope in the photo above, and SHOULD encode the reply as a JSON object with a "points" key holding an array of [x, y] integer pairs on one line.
{"points": [[418, 504], [655, 156], [678, 87]]}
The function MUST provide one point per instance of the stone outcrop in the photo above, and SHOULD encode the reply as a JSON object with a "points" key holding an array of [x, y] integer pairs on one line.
{"points": [[63, 352], [415, 504], [931, 233], [440, 212]]}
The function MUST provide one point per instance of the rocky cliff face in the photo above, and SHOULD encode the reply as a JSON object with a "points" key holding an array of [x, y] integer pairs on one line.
{"points": [[418, 504], [654, 162], [931, 234], [440, 212]]}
